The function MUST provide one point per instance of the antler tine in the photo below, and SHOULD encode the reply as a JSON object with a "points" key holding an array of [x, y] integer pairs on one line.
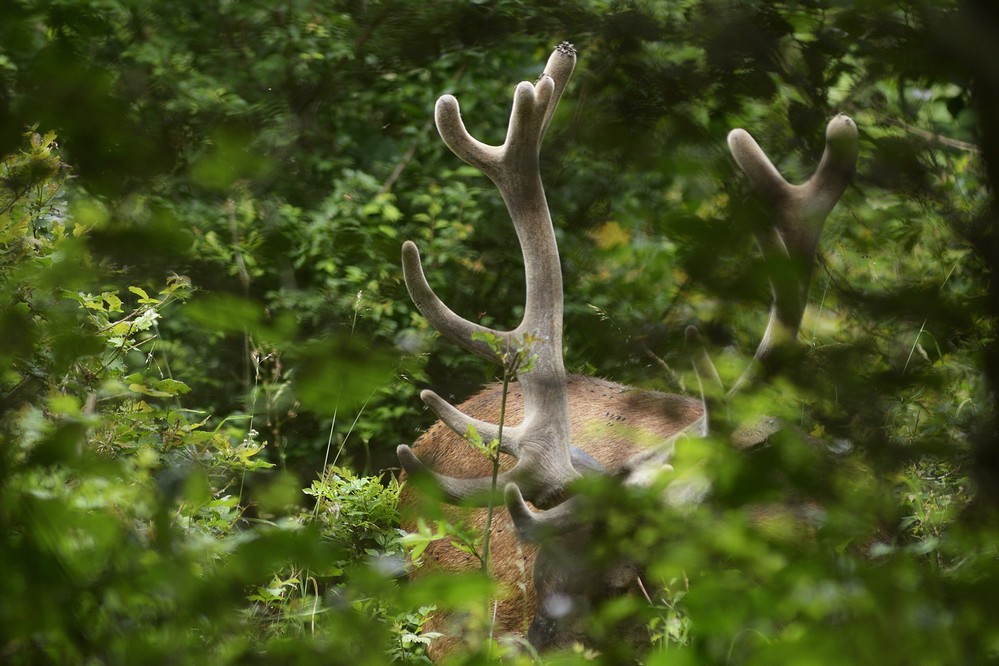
{"points": [[455, 489], [541, 442], [708, 380], [459, 422], [452, 326], [798, 213], [532, 525]]}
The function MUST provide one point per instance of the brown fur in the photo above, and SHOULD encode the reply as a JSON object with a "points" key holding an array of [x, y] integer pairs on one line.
{"points": [[610, 421]]}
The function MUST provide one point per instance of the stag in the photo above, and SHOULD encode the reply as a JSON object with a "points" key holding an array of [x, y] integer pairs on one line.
{"points": [[567, 426]]}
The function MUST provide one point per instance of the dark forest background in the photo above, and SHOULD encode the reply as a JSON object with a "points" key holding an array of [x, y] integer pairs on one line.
{"points": [[208, 355]]}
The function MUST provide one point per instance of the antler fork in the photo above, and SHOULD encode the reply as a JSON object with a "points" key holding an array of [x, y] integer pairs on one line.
{"points": [[797, 214], [789, 243]]}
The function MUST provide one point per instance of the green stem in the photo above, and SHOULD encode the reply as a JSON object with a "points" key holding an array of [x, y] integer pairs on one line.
{"points": [[496, 465]]}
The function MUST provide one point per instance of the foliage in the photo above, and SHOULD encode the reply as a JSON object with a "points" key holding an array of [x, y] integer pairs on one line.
{"points": [[354, 511], [201, 207], [126, 521]]}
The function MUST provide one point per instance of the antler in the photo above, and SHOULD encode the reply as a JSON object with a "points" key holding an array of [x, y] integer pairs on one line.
{"points": [[789, 243], [541, 441], [797, 213]]}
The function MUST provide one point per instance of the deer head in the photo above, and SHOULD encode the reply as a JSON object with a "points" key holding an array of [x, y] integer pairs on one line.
{"points": [[572, 425]]}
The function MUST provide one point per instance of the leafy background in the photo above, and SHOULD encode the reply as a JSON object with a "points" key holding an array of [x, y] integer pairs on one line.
{"points": [[209, 355]]}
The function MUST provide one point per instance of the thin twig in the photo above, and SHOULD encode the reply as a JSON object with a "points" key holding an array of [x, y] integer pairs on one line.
{"points": [[674, 379], [641, 587], [407, 157], [410, 153], [244, 278], [933, 137], [915, 343], [496, 465]]}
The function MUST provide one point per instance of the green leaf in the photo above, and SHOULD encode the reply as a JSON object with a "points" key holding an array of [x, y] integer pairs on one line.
{"points": [[172, 386], [341, 373], [93, 303], [146, 390], [114, 303], [225, 312], [120, 330], [143, 296], [67, 405]]}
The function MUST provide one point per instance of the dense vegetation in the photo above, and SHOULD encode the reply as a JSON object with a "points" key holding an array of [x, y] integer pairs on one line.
{"points": [[208, 355]]}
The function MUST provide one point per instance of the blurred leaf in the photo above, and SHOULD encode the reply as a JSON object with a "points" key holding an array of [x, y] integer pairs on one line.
{"points": [[340, 374]]}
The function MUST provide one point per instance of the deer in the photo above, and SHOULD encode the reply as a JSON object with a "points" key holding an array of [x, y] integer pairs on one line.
{"points": [[563, 427]]}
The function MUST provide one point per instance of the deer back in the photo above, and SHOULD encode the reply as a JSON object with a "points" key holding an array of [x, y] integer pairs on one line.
{"points": [[609, 421]]}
